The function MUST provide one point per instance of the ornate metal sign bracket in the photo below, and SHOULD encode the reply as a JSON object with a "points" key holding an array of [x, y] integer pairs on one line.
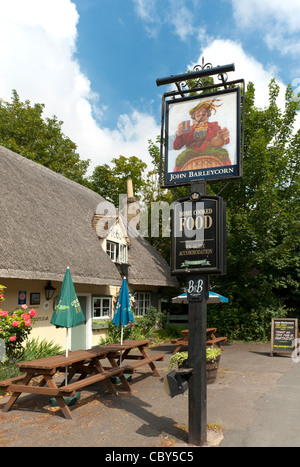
{"points": [[201, 82]]}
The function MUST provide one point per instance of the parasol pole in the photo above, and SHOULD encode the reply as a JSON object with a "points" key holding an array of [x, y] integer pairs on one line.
{"points": [[121, 344], [67, 354], [67, 351]]}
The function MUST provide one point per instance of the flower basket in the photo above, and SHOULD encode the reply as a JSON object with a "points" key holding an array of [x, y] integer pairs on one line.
{"points": [[212, 366], [99, 325]]}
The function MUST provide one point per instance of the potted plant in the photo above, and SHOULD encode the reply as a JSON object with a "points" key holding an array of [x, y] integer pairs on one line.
{"points": [[213, 356]]}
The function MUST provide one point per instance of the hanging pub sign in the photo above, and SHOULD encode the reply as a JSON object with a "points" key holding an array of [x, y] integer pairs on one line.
{"points": [[202, 137], [198, 236]]}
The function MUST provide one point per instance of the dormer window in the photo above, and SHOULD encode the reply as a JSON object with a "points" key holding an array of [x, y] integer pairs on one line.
{"points": [[116, 251], [113, 237]]}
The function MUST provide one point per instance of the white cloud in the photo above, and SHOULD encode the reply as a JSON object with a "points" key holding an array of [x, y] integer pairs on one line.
{"points": [[147, 11], [57, 18], [182, 20], [277, 20], [223, 52], [155, 14], [283, 12], [130, 138], [37, 45]]}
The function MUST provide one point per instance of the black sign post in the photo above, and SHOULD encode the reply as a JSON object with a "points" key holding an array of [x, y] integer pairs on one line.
{"points": [[197, 292], [198, 241], [194, 149]]}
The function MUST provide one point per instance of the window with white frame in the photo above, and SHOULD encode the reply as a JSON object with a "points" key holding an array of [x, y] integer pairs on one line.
{"points": [[101, 307], [116, 251], [143, 301], [122, 253], [111, 250]]}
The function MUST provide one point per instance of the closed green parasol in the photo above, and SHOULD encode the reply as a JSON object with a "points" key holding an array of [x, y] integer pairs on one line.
{"points": [[67, 312]]}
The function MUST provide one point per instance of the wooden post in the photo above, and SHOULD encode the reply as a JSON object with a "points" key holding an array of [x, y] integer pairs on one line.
{"points": [[197, 353], [197, 361]]}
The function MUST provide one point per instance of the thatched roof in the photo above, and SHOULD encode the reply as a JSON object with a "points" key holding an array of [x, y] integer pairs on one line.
{"points": [[46, 225]]}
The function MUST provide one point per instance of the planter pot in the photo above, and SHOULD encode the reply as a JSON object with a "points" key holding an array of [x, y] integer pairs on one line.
{"points": [[212, 367], [99, 326]]}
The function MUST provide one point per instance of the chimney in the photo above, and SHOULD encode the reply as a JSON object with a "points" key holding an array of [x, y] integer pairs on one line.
{"points": [[129, 188], [132, 207]]}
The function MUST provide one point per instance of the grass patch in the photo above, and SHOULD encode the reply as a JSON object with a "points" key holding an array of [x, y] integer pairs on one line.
{"points": [[33, 350]]}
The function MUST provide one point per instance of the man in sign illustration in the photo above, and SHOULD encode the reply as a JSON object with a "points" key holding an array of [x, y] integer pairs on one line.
{"points": [[203, 140]]}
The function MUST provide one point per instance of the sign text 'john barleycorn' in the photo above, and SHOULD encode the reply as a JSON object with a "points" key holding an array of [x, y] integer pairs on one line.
{"points": [[198, 236]]}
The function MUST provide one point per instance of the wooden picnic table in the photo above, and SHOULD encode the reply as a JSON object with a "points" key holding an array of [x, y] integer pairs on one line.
{"points": [[86, 363], [211, 339], [122, 352]]}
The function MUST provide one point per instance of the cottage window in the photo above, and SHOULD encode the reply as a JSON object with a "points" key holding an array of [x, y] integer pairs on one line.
{"points": [[116, 251], [143, 300], [122, 253], [101, 307]]}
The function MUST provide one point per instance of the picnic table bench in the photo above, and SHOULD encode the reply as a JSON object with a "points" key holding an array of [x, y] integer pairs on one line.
{"points": [[86, 363], [211, 339], [123, 352]]}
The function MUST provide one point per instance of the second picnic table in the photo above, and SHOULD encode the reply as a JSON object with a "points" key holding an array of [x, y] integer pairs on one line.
{"points": [[122, 352], [211, 339]]}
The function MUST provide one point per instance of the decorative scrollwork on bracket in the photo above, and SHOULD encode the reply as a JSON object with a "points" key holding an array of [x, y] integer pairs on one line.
{"points": [[205, 81]]}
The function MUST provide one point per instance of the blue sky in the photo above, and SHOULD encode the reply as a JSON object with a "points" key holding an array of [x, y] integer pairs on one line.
{"points": [[94, 63]]}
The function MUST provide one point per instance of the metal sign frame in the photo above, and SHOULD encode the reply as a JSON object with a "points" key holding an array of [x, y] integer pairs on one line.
{"points": [[168, 178], [198, 236]]}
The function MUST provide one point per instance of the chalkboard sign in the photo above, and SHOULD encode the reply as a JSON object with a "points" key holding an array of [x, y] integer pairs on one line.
{"points": [[283, 332]]}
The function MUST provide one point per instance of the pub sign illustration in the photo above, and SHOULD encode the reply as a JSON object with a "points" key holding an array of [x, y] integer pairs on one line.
{"points": [[203, 137]]}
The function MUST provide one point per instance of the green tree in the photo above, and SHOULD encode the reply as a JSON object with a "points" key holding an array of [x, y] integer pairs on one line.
{"points": [[152, 194], [263, 260], [110, 182], [263, 217], [24, 130]]}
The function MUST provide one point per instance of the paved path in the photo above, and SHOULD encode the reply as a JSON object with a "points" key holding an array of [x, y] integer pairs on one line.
{"points": [[255, 401], [277, 420]]}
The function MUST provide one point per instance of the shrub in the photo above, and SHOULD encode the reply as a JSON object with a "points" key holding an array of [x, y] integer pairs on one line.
{"points": [[235, 323], [14, 328], [34, 349], [142, 328], [177, 359]]}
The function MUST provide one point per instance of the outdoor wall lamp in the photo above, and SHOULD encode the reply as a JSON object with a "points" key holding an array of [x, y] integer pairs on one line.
{"points": [[49, 291]]}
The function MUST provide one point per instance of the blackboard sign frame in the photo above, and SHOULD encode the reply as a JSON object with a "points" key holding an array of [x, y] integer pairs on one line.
{"points": [[274, 320]]}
